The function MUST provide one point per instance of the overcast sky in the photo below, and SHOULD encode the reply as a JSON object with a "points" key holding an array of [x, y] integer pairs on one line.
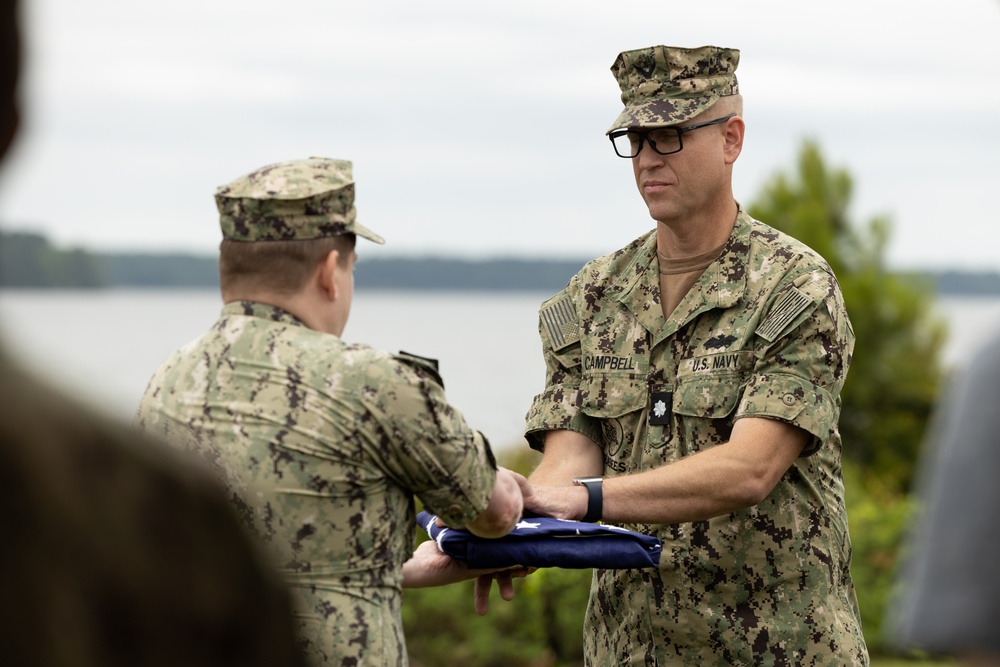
{"points": [[477, 127]]}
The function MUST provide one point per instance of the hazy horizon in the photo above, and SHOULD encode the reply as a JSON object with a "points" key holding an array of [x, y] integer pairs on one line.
{"points": [[477, 129]]}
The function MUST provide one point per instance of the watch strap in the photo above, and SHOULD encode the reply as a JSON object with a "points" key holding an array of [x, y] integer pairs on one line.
{"points": [[595, 498]]}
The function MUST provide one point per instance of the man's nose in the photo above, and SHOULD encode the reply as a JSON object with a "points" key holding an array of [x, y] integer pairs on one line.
{"points": [[646, 152]]}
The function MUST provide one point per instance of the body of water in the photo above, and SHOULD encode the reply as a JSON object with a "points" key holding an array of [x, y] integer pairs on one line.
{"points": [[103, 346]]}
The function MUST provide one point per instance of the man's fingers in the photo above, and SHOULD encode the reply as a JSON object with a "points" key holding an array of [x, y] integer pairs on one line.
{"points": [[505, 582], [506, 585], [484, 583]]}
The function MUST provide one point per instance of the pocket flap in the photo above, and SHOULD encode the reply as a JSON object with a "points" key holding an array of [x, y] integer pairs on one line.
{"points": [[707, 397], [605, 395]]}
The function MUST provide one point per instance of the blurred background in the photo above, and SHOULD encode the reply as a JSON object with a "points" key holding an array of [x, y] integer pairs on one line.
{"points": [[476, 132]]}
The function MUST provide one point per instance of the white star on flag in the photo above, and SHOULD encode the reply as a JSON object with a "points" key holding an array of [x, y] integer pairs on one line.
{"points": [[660, 408], [527, 524]]}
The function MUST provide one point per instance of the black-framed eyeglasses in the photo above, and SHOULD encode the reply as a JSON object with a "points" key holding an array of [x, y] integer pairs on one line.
{"points": [[663, 140]]}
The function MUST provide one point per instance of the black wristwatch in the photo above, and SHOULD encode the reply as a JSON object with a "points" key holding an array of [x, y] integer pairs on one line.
{"points": [[595, 497]]}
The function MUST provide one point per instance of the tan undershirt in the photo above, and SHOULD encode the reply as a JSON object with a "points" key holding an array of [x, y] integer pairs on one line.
{"points": [[677, 276]]}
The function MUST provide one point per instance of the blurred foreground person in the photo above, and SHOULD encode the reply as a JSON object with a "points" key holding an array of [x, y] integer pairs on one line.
{"points": [[115, 553], [950, 586], [324, 444], [112, 551]]}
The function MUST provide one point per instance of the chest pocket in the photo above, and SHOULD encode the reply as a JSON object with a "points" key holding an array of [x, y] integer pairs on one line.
{"points": [[605, 395], [704, 407], [619, 402]]}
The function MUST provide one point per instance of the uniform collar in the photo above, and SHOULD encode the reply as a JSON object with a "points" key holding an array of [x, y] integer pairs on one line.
{"points": [[722, 285], [262, 310]]}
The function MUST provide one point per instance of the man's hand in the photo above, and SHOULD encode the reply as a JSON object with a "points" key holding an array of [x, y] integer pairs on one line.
{"points": [[504, 509], [505, 582], [559, 502], [428, 566]]}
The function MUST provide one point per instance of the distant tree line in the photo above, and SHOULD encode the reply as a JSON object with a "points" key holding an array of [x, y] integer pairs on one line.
{"points": [[445, 273], [965, 282], [29, 260]]}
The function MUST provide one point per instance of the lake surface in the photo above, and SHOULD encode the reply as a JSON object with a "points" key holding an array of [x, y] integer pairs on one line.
{"points": [[103, 346]]}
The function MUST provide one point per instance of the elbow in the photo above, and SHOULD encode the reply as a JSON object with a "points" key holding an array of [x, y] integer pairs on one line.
{"points": [[754, 490], [752, 496]]}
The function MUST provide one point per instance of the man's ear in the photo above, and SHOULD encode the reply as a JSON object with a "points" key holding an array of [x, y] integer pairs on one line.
{"points": [[327, 269], [735, 129]]}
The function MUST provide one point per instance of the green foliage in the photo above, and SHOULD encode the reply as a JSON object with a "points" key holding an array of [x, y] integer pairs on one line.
{"points": [[878, 520], [895, 371], [541, 627], [28, 260]]}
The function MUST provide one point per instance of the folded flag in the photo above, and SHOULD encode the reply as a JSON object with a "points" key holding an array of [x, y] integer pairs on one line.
{"points": [[545, 542]]}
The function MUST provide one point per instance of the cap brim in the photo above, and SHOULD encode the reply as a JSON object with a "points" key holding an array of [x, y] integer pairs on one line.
{"points": [[363, 231], [661, 112]]}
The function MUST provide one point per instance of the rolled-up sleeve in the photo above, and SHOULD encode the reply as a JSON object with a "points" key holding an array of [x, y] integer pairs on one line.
{"points": [[798, 377], [557, 406]]}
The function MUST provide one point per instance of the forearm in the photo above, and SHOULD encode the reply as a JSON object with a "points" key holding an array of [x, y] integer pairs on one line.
{"points": [[698, 487], [724, 479], [568, 454]]}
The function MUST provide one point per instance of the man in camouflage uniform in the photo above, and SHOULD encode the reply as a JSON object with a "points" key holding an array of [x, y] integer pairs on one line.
{"points": [[698, 371], [323, 444]]}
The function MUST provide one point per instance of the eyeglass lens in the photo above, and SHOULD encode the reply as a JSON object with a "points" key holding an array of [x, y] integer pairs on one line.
{"points": [[665, 141]]}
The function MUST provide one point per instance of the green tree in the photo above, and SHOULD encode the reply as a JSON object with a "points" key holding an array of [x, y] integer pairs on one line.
{"points": [[895, 373]]}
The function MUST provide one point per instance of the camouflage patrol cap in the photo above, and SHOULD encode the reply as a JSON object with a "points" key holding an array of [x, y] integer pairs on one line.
{"points": [[291, 201], [666, 85]]}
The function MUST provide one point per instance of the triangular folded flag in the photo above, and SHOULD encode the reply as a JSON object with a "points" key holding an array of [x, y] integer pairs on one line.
{"points": [[545, 542]]}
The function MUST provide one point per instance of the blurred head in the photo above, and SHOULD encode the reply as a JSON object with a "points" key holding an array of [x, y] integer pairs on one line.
{"points": [[10, 65]]}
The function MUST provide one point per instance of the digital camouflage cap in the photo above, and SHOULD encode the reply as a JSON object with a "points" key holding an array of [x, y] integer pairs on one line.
{"points": [[666, 85], [291, 201]]}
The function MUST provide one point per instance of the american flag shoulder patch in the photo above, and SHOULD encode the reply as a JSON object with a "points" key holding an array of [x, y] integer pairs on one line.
{"points": [[559, 319], [783, 312]]}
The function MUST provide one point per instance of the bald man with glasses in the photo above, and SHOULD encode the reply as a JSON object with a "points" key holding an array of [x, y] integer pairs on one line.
{"points": [[693, 392]]}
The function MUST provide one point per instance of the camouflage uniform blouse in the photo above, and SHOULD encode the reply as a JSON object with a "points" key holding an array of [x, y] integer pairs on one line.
{"points": [[763, 333], [323, 445]]}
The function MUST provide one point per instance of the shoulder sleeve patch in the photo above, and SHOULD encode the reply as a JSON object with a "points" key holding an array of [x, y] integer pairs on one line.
{"points": [[426, 364], [783, 312], [559, 319]]}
